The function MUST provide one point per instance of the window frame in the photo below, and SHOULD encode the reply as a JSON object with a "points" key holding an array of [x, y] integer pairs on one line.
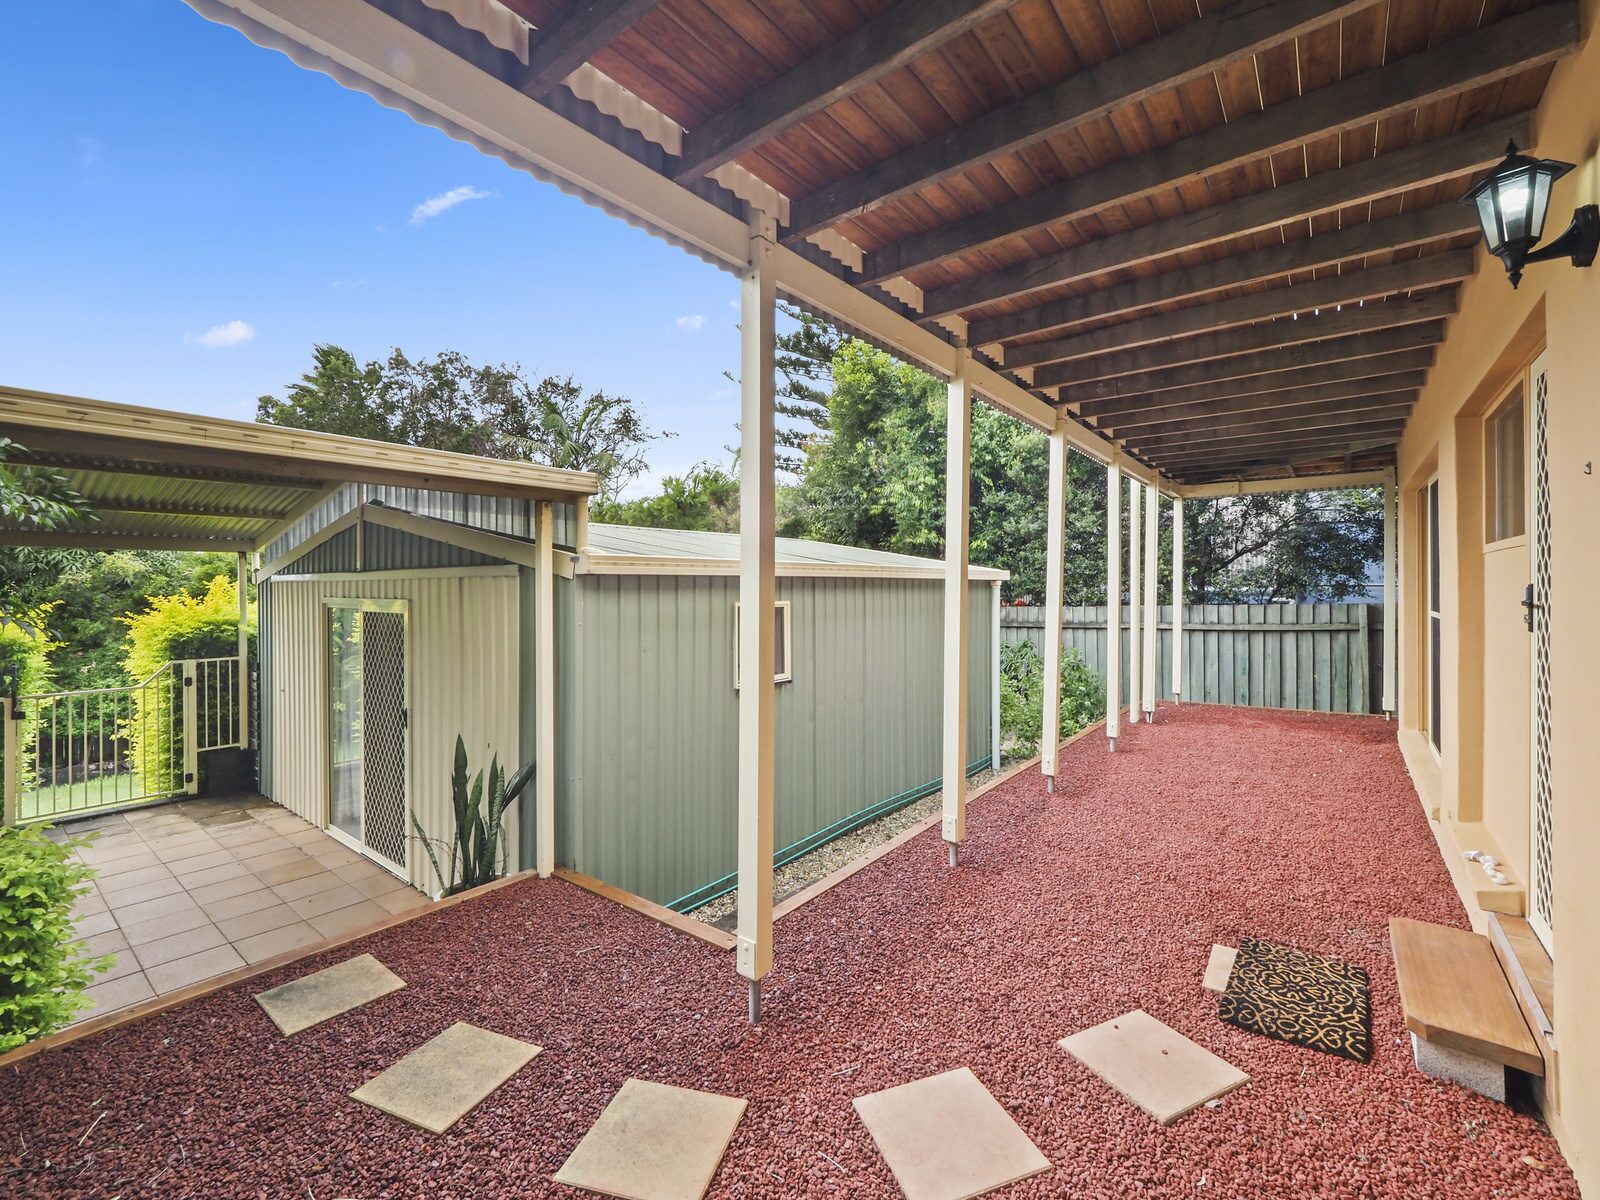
{"points": [[784, 642], [1433, 639], [1515, 393]]}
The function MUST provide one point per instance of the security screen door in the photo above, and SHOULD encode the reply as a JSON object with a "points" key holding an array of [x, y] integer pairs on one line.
{"points": [[1541, 890], [367, 727]]}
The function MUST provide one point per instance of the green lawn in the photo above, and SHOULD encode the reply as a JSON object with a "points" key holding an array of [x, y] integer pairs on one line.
{"points": [[82, 797]]}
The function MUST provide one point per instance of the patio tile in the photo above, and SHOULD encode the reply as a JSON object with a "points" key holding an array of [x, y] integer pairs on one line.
{"points": [[165, 925], [374, 886], [106, 850], [215, 893], [92, 923], [89, 903], [236, 905], [196, 856], [122, 864], [1153, 1066], [1219, 968], [154, 890], [947, 1138], [402, 900], [259, 920], [341, 921], [123, 964], [323, 995], [148, 910], [123, 875], [260, 860], [169, 977], [112, 994], [335, 856], [217, 874], [654, 1142], [259, 947], [111, 941], [179, 945], [326, 901], [446, 1078], [310, 836], [177, 838], [308, 885], [285, 871], [360, 869], [243, 835]]}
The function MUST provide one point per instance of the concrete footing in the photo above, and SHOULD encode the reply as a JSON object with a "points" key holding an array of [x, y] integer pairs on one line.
{"points": [[1481, 1075]]}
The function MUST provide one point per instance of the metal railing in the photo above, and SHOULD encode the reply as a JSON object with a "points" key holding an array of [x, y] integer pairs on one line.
{"points": [[69, 754]]}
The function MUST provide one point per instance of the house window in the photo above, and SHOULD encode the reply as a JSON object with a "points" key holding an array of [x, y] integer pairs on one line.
{"points": [[1430, 500], [1505, 470], [782, 643]]}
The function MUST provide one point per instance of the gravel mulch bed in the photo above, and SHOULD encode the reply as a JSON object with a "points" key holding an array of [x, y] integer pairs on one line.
{"points": [[1066, 910], [826, 859]]}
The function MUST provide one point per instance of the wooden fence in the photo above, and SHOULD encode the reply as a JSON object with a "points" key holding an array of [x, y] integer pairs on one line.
{"points": [[1323, 657]]}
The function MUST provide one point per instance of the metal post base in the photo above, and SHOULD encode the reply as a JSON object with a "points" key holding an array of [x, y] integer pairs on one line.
{"points": [[955, 853], [1050, 783], [755, 1001], [1113, 742]]}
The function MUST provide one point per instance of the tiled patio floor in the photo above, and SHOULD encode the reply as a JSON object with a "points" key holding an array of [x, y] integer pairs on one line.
{"points": [[187, 891]]}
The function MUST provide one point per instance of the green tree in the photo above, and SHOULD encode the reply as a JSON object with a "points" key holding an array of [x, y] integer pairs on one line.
{"points": [[706, 498], [34, 497], [449, 403]]}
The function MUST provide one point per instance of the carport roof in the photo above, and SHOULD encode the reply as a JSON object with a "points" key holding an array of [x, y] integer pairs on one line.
{"points": [[185, 482]]}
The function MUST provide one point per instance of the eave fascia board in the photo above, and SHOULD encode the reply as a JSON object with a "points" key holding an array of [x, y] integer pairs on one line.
{"points": [[1300, 483], [648, 564]]}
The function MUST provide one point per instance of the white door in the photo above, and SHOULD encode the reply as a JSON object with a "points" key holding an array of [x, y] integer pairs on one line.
{"points": [[1541, 840], [367, 719]]}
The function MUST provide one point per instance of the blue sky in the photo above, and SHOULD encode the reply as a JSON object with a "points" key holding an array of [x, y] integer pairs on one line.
{"points": [[165, 179]]}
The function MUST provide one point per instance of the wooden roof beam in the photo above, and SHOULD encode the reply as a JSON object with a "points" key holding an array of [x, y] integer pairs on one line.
{"points": [[1473, 60], [1201, 397], [1378, 433], [1425, 164], [573, 37], [1343, 357], [884, 44], [1330, 291], [1200, 431], [1157, 66], [1130, 423]]}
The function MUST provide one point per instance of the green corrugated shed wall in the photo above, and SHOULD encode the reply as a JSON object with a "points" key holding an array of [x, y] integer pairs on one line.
{"points": [[647, 718]]}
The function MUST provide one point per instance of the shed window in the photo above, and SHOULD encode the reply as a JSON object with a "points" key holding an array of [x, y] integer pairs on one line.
{"points": [[782, 643], [1506, 493]]}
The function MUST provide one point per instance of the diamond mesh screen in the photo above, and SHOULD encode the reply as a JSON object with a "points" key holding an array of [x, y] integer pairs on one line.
{"points": [[384, 733], [1542, 898]]}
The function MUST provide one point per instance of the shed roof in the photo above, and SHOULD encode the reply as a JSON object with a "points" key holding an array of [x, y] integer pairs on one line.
{"points": [[630, 550], [181, 481]]}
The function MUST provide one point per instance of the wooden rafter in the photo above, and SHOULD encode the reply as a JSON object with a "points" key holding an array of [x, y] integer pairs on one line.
{"points": [[1422, 165], [1239, 374], [884, 44], [1226, 449], [1203, 430], [1162, 64], [1331, 291], [573, 37], [1268, 335], [1474, 60], [1287, 400]]}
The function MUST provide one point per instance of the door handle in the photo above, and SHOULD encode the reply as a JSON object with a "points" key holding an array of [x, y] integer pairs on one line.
{"points": [[1528, 606]]}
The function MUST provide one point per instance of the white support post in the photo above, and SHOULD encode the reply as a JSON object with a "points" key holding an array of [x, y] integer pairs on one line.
{"points": [[1390, 619], [11, 746], [243, 677], [757, 597], [957, 524], [1113, 602], [1055, 548], [994, 682], [191, 726], [544, 676], [1152, 610], [1135, 602], [1177, 599], [580, 535]]}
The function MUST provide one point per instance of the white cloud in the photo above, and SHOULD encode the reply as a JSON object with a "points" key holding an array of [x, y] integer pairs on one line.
{"points": [[434, 205], [691, 323], [218, 337]]}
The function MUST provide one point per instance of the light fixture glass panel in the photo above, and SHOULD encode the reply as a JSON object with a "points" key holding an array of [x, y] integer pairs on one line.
{"points": [[1486, 218], [1516, 192], [1541, 201]]}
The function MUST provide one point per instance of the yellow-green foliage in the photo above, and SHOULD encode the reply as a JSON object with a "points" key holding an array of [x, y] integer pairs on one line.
{"points": [[174, 628], [42, 970], [25, 670]]}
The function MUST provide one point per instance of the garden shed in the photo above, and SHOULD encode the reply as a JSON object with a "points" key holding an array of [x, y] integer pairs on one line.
{"points": [[395, 619]]}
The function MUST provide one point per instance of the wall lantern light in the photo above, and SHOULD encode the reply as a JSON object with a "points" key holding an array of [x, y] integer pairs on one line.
{"points": [[1511, 205]]}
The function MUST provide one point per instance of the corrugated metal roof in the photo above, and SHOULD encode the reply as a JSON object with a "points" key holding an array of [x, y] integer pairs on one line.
{"points": [[613, 548]]}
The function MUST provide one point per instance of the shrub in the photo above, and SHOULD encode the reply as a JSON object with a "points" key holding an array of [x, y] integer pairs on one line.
{"points": [[476, 853], [25, 670], [1022, 694], [42, 971], [173, 627]]}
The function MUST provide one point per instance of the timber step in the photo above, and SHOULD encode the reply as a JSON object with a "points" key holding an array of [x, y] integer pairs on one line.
{"points": [[1455, 994]]}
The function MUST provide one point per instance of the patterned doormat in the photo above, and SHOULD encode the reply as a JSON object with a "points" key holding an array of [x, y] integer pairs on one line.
{"points": [[1301, 998]]}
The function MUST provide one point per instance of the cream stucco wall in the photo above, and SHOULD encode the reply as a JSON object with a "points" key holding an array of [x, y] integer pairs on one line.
{"points": [[1482, 771]]}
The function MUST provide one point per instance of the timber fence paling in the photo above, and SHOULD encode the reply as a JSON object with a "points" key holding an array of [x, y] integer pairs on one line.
{"points": [[1319, 656]]}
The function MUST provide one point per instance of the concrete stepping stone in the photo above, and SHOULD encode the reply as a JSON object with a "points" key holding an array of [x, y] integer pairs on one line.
{"points": [[654, 1142], [444, 1079], [1152, 1065], [947, 1138], [322, 995], [1219, 968]]}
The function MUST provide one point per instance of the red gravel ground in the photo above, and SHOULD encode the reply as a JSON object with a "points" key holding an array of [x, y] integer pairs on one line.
{"points": [[1066, 910]]}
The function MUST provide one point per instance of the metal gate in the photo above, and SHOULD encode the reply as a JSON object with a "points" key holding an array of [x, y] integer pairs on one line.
{"points": [[1541, 891]]}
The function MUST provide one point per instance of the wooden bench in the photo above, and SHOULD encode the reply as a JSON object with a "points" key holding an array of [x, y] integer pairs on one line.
{"points": [[1464, 1018]]}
